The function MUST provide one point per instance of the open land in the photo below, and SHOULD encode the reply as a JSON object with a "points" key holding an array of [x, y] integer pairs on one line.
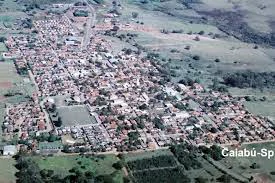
{"points": [[115, 78], [7, 170], [99, 165]]}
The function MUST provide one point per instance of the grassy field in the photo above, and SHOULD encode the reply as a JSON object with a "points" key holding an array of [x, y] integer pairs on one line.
{"points": [[242, 164], [7, 170], [264, 108], [258, 12], [233, 54], [3, 47], [149, 154], [97, 164]]}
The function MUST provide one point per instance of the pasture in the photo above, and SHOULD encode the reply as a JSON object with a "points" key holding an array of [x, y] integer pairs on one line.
{"points": [[3, 47], [264, 108], [242, 165], [99, 165], [7, 170]]}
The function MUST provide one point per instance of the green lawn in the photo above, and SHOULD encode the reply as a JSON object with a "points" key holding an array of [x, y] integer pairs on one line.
{"points": [[7, 170], [97, 164], [3, 47]]}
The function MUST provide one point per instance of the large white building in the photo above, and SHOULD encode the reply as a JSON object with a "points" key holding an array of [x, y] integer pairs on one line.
{"points": [[9, 150]]}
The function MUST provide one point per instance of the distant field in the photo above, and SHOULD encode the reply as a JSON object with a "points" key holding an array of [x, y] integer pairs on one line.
{"points": [[9, 5], [7, 170], [62, 164], [264, 108], [258, 12]]}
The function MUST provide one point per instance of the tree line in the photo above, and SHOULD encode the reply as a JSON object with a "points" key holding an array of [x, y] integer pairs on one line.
{"points": [[249, 79]]}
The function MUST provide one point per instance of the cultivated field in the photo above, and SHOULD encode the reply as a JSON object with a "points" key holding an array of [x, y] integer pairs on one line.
{"points": [[143, 165]]}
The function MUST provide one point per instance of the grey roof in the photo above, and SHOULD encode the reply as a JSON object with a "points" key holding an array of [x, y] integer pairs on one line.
{"points": [[10, 148]]}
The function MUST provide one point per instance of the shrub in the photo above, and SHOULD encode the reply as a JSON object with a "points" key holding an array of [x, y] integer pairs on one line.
{"points": [[196, 57]]}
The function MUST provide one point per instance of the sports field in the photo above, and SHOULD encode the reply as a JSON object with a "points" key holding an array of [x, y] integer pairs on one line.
{"points": [[75, 115]]}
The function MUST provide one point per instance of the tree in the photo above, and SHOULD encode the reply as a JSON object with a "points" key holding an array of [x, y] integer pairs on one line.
{"points": [[143, 107], [52, 138], [158, 123], [133, 136], [196, 57], [119, 165], [255, 166], [134, 14], [128, 51], [3, 39], [58, 123], [200, 180], [201, 32], [224, 178], [28, 171]]}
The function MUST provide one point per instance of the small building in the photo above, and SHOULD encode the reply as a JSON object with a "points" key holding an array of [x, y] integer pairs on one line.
{"points": [[9, 150], [49, 147]]}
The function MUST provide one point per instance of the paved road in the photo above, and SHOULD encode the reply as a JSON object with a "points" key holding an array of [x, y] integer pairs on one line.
{"points": [[90, 23]]}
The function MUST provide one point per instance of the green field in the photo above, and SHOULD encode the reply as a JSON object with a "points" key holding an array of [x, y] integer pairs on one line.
{"points": [[242, 164], [149, 154], [7, 170], [3, 47], [258, 107], [99, 165]]}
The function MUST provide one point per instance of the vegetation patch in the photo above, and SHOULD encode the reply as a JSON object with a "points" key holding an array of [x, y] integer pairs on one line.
{"points": [[7, 170], [249, 79], [175, 175], [68, 169], [154, 162]]}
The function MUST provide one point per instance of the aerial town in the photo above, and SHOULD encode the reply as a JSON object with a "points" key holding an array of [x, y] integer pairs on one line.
{"points": [[92, 98]]}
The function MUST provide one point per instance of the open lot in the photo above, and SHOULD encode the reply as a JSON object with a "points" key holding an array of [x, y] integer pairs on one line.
{"points": [[7, 170], [75, 115]]}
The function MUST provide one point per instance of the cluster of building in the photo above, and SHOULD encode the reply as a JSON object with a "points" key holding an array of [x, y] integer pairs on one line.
{"points": [[137, 108], [25, 118]]}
